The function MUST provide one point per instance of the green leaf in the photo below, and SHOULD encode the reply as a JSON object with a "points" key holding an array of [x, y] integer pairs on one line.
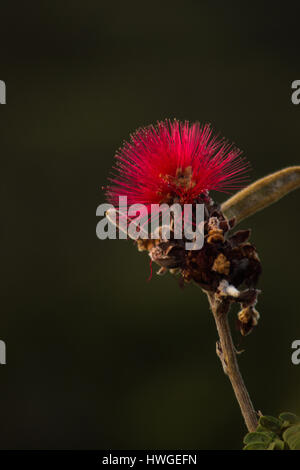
{"points": [[292, 437], [289, 418], [256, 446], [260, 428], [270, 423], [278, 444], [262, 193], [258, 437]]}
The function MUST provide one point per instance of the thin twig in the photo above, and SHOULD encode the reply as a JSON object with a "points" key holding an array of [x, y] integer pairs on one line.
{"points": [[227, 354]]}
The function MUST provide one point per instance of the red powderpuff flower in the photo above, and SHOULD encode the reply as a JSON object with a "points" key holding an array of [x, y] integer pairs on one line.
{"points": [[175, 162]]}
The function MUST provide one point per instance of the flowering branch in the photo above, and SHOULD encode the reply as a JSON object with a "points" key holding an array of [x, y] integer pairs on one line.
{"points": [[174, 163], [227, 354]]}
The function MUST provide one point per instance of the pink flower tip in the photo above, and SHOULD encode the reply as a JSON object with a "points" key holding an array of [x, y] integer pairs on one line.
{"points": [[175, 161]]}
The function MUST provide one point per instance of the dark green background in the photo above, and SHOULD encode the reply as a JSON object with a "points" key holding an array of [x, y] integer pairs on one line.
{"points": [[97, 357]]}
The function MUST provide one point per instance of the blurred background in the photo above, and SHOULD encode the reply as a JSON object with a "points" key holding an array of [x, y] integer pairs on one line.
{"points": [[97, 357]]}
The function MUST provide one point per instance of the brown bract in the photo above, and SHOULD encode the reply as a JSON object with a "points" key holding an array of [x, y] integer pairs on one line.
{"points": [[227, 264]]}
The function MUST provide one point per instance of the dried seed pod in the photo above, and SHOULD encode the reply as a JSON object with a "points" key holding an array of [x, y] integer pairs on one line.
{"points": [[262, 193]]}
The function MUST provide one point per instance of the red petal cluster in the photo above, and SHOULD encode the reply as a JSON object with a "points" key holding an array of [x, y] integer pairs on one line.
{"points": [[175, 162]]}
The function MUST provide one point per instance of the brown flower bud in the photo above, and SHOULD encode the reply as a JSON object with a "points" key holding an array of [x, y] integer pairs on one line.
{"points": [[247, 319], [221, 265]]}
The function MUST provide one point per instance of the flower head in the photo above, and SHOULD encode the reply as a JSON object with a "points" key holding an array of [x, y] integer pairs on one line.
{"points": [[178, 162], [175, 162]]}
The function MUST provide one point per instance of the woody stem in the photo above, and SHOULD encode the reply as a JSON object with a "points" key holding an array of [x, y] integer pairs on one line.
{"points": [[227, 354]]}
